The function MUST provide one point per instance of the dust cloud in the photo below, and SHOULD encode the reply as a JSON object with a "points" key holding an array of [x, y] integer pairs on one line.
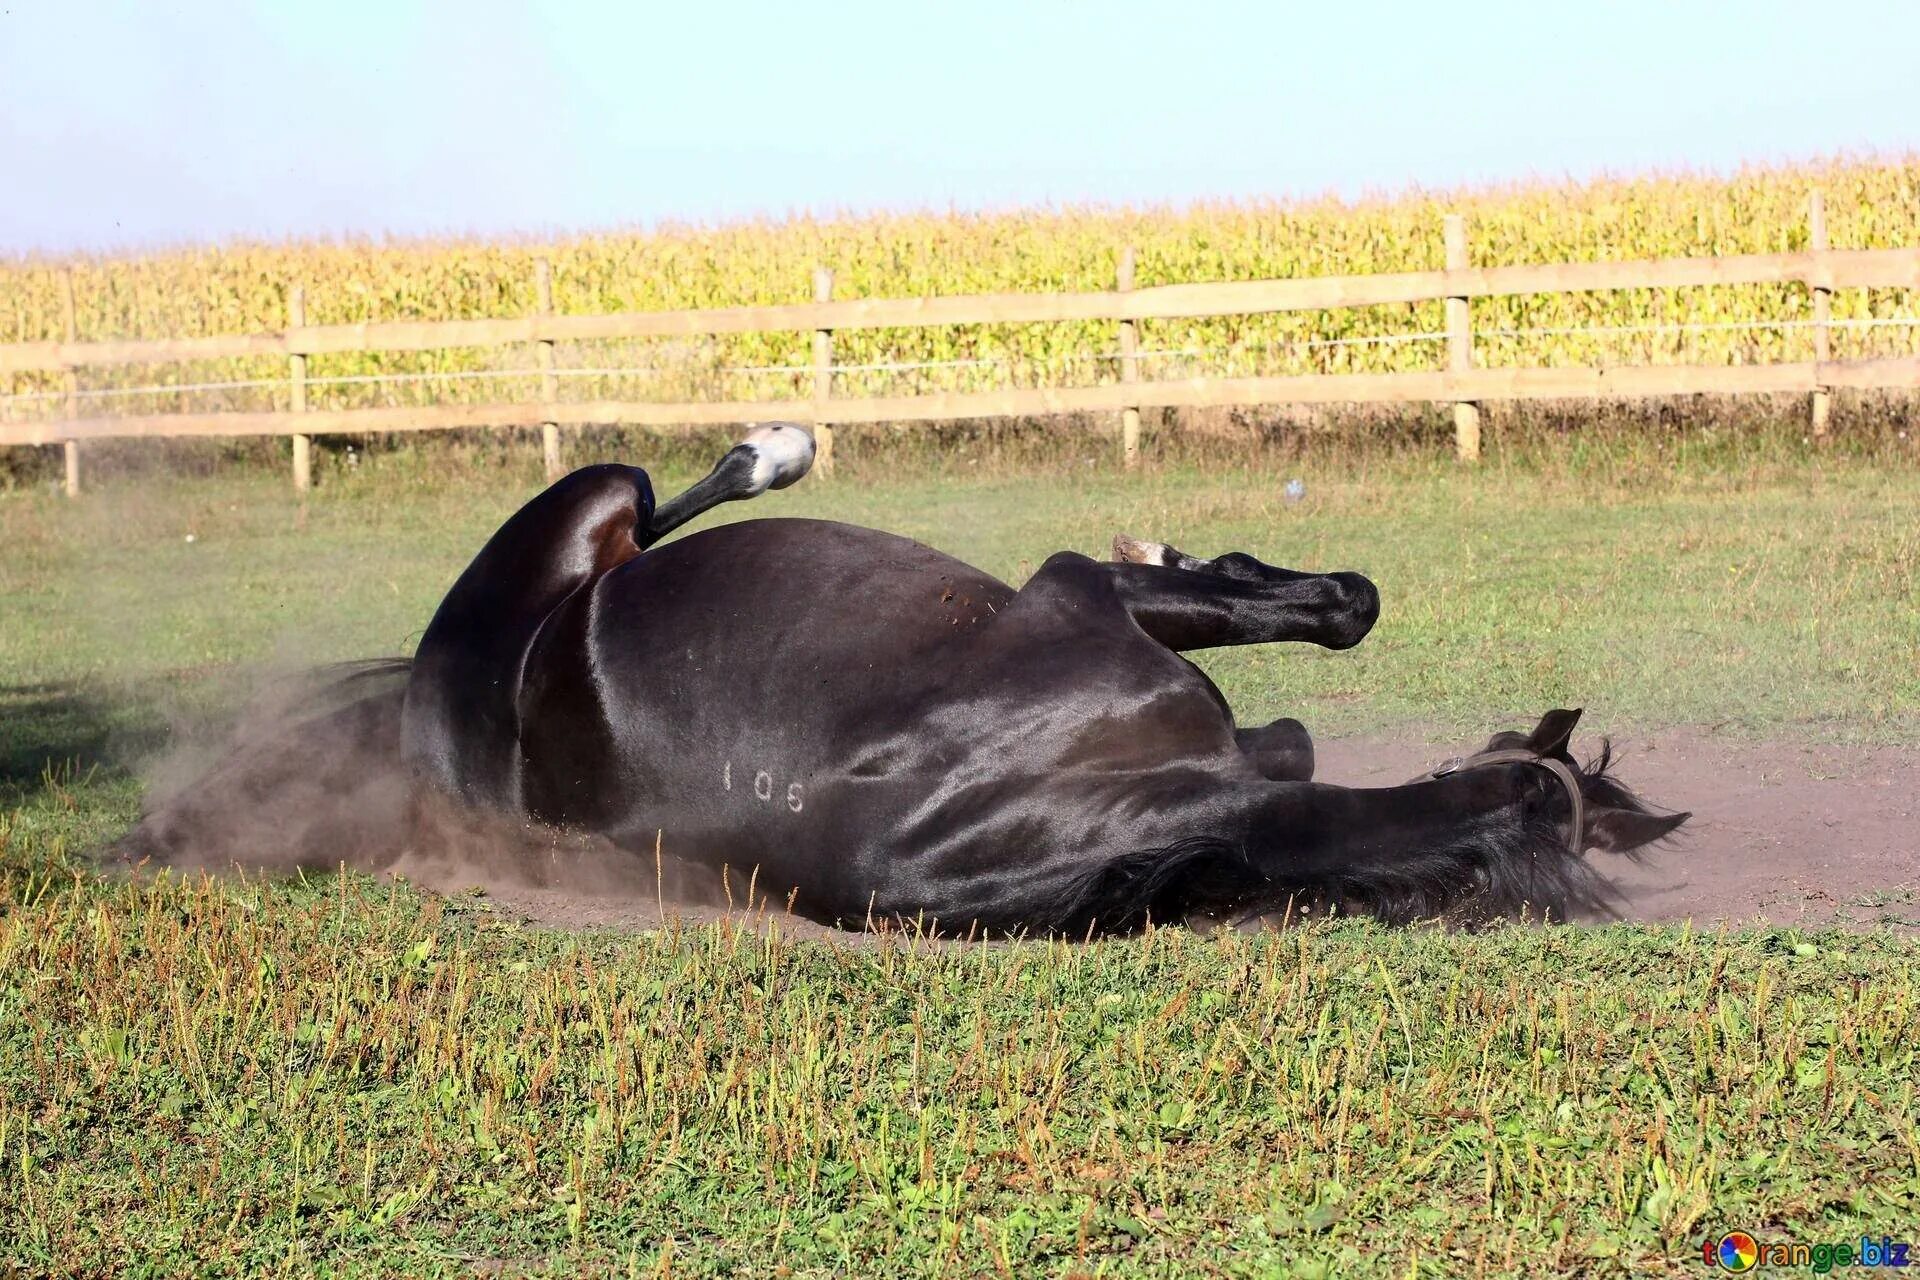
{"points": [[309, 778]]}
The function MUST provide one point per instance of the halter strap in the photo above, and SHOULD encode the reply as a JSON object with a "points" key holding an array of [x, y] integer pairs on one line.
{"points": [[1520, 755]]}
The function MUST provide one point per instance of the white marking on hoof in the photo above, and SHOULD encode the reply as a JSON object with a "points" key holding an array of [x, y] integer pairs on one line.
{"points": [[782, 452], [1137, 551]]}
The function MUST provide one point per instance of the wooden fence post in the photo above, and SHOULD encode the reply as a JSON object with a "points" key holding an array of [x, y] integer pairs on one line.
{"points": [[297, 391], [70, 449], [1129, 365], [549, 380], [1822, 314], [822, 377], [1466, 415]]}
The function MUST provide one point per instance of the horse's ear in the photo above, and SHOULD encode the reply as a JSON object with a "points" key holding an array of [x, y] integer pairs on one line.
{"points": [[1550, 735], [1623, 830]]}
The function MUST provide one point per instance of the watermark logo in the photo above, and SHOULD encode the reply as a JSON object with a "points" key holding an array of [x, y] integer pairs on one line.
{"points": [[1734, 1251], [1739, 1251]]}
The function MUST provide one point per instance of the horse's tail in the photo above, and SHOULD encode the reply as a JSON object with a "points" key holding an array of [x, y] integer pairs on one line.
{"points": [[311, 777]]}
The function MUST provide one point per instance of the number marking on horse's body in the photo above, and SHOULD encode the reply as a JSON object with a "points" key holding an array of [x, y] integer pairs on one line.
{"points": [[764, 786]]}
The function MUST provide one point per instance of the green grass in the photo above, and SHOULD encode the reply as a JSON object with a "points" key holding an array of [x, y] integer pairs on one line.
{"points": [[224, 1078], [1774, 602]]}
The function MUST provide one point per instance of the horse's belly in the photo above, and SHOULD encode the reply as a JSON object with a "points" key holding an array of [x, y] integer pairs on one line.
{"points": [[847, 713]]}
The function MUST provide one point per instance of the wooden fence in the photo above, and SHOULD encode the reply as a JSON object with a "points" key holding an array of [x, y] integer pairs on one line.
{"points": [[1818, 269]]}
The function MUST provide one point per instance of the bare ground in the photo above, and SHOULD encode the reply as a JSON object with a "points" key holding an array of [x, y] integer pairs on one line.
{"points": [[1783, 833]]}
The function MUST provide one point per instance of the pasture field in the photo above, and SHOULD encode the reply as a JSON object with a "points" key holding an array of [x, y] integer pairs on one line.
{"points": [[348, 1076], [1769, 591]]}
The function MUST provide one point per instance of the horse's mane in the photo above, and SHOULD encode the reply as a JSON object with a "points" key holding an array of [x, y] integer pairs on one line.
{"points": [[1513, 865]]}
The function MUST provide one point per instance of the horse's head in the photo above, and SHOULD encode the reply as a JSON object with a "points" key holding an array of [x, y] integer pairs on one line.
{"points": [[1617, 820]]}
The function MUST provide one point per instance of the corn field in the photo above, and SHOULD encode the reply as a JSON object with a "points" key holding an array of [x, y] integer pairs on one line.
{"points": [[245, 287]]}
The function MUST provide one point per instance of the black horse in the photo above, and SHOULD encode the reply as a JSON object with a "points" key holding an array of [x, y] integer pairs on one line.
{"points": [[874, 731]]}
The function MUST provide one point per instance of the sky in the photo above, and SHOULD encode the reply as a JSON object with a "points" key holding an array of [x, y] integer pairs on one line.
{"points": [[135, 125]]}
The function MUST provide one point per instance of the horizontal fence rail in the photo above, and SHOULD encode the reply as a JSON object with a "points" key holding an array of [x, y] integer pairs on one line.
{"points": [[1896, 373], [1819, 270], [1855, 269]]}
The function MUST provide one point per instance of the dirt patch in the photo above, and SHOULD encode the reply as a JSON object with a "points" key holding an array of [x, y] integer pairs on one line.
{"points": [[1783, 833]]}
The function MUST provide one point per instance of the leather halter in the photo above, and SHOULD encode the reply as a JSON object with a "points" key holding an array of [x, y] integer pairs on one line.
{"points": [[1520, 755]]}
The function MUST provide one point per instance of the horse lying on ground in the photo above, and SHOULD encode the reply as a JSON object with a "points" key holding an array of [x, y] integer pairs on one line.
{"points": [[870, 730]]}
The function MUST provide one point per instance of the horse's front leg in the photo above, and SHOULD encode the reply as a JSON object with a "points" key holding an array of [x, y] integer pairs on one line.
{"points": [[1183, 609], [1279, 752]]}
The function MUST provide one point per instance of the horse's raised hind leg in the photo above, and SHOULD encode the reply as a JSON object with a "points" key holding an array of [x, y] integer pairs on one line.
{"points": [[461, 730], [773, 456]]}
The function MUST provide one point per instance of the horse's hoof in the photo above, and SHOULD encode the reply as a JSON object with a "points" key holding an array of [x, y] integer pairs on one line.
{"points": [[782, 453], [1138, 551]]}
